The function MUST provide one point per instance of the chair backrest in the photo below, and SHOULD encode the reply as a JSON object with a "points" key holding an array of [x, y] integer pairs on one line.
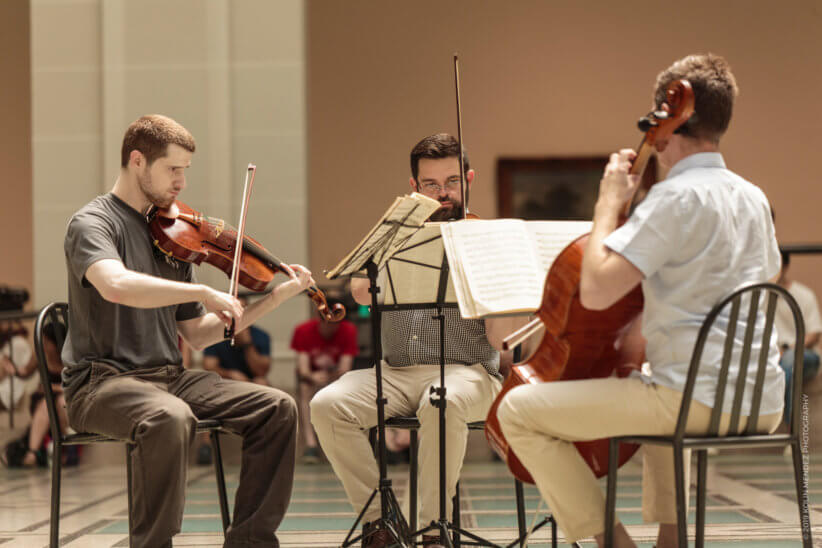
{"points": [[56, 315], [749, 321]]}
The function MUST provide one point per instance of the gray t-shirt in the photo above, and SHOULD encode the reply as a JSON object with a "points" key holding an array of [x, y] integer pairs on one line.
{"points": [[101, 331]]}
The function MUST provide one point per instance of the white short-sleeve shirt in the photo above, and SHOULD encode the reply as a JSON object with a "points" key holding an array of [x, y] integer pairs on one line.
{"points": [[698, 235]]}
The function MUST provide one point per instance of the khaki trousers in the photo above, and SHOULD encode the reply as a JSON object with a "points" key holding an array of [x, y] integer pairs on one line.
{"points": [[342, 410], [158, 409], [541, 421]]}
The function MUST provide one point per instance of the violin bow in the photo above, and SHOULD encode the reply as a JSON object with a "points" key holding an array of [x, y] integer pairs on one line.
{"points": [[234, 286], [459, 134]]}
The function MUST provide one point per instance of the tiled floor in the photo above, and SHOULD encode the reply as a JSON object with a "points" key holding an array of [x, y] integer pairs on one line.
{"points": [[750, 503]]}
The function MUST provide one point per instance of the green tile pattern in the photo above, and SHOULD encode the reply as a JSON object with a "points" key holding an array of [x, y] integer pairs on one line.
{"points": [[488, 501], [488, 505]]}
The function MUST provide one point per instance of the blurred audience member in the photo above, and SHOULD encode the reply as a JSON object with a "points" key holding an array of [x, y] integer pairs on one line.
{"points": [[248, 360], [806, 299], [325, 351], [30, 450], [16, 358]]}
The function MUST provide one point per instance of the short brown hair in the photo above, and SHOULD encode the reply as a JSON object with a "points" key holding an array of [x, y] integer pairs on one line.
{"points": [[435, 147], [714, 91], [151, 134]]}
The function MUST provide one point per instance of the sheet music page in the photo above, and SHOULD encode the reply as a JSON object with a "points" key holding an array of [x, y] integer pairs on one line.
{"points": [[457, 275], [415, 270], [499, 266], [404, 217], [495, 266], [551, 237]]}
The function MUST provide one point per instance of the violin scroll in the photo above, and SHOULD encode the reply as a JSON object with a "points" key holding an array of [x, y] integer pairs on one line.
{"points": [[658, 126], [333, 314]]}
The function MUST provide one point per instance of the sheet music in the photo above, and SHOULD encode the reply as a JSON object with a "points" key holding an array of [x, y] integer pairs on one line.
{"points": [[412, 274], [499, 266], [551, 237], [402, 219]]}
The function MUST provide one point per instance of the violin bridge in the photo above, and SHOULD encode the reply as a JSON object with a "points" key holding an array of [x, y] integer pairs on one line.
{"points": [[219, 227]]}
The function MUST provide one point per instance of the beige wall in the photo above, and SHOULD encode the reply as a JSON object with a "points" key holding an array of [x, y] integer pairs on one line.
{"points": [[16, 267], [539, 79], [231, 72], [548, 78]]}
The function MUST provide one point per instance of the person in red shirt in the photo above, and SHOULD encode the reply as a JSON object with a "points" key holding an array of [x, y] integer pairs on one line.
{"points": [[325, 351]]}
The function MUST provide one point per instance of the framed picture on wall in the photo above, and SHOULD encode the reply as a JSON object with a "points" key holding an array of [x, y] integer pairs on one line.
{"points": [[553, 188]]}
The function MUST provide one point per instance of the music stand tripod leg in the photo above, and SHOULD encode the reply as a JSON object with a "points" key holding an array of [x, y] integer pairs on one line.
{"points": [[445, 527], [390, 511]]}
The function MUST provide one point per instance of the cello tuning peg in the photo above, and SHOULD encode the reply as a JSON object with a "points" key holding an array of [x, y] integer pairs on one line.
{"points": [[645, 123]]}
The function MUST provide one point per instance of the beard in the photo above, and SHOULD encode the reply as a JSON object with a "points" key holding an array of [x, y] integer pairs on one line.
{"points": [[144, 182], [454, 211]]}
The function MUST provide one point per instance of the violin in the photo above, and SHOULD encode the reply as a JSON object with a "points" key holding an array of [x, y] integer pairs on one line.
{"points": [[581, 343], [188, 235]]}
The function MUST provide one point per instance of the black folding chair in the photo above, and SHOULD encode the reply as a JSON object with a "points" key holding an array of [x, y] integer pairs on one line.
{"points": [[735, 436], [57, 315]]}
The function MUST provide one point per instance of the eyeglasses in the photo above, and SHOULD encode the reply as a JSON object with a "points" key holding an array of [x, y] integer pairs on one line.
{"points": [[436, 187]]}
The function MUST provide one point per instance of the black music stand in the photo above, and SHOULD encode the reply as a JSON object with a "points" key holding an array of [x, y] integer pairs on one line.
{"points": [[419, 261], [390, 511], [399, 224], [402, 240]]}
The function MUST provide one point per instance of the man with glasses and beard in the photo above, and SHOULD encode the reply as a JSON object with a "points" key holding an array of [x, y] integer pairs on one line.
{"points": [[411, 352]]}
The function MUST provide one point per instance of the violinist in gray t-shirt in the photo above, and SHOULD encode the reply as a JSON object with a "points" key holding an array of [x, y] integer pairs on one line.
{"points": [[128, 304]]}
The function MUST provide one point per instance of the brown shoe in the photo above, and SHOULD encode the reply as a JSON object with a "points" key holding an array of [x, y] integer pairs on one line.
{"points": [[375, 535], [432, 541]]}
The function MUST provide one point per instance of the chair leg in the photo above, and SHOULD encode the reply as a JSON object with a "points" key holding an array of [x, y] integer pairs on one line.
{"points": [[129, 448], [610, 495], [681, 496], [554, 532], [56, 475], [799, 473], [701, 489], [457, 518], [412, 479], [218, 470], [520, 496]]}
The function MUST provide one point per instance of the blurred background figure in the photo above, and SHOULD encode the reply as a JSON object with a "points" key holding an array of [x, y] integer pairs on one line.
{"points": [[16, 357], [31, 449], [325, 351], [806, 299], [248, 360], [16, 354]]}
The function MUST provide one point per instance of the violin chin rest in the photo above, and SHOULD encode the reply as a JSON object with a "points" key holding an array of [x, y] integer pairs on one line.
{"points": [[172, 212]]}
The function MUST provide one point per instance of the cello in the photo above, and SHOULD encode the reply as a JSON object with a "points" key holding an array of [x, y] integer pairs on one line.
{"points": [[584, 344]]}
